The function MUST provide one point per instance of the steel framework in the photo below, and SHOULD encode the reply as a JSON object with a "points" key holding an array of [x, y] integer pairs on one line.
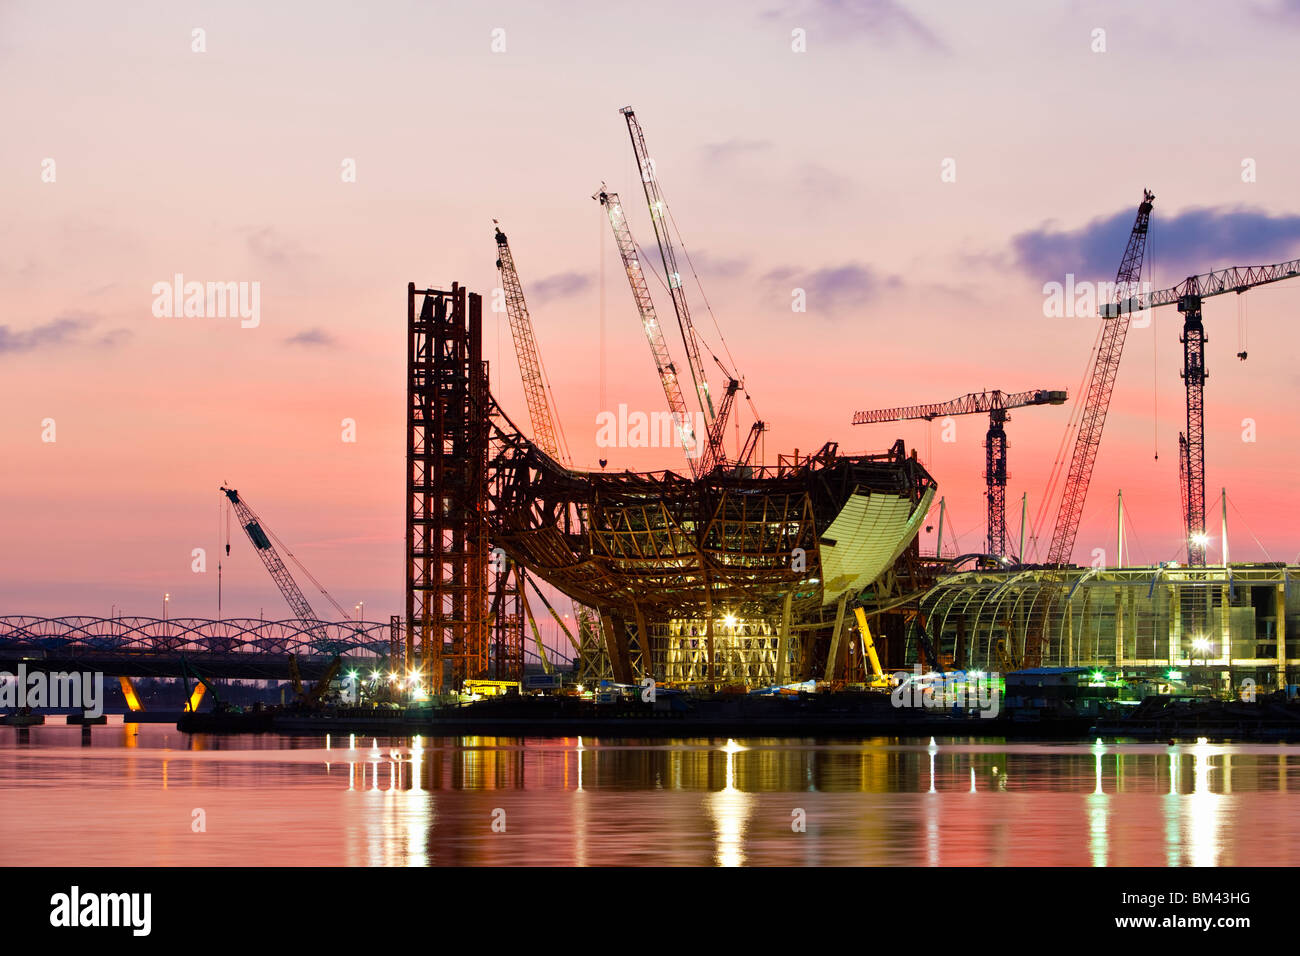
{"points": [[1142, 620], [701, 580], [447, 613], [244, 647], [741, 550]]}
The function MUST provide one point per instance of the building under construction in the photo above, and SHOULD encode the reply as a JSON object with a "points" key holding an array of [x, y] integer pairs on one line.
{"points": [[1220, 624], [742, 575], [739, 572]]}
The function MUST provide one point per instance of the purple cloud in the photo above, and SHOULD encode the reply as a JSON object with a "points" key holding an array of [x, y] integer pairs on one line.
{"points": [[558, 286], [1188, 243], [884, 22], [836, 288], [312, 338], [66, 329]]}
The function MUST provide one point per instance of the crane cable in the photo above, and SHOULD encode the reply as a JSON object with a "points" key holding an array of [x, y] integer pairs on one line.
{"points": [[1155, 352], [1267, 556], [1067, 439], [1243, 325], [733, 371], [301, 567], [1131, 537], [556, 422]]}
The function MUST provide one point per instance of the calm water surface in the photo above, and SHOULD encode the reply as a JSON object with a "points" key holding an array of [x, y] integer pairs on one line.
{"points": [[126, 794]]}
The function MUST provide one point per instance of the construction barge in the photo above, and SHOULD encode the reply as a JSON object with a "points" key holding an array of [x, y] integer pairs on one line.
{"points": [[845, 715]]}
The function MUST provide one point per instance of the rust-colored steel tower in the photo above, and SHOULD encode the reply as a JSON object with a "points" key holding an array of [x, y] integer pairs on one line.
{"points": [[447, 422]]}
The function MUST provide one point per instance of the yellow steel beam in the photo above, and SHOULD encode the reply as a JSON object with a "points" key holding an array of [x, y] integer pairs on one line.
{"points": [[132, 698]]}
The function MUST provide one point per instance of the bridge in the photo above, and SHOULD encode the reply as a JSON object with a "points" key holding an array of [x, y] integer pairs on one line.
{"points": [[244, 648], [236, 648]]}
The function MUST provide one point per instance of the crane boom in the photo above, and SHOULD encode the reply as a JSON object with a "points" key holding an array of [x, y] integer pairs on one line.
{"points": [[530, 363], [996, 403], [970, 404], [650, 323], [261, 542], [668, 255], [712, 454], [751, 443], [1101, 384], [1218, 282]]}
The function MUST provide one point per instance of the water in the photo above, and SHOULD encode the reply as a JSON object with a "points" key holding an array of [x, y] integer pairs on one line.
{"points": [[128, 794]]}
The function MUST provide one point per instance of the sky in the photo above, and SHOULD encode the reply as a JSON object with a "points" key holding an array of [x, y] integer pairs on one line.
{"points": [[919, 170]]}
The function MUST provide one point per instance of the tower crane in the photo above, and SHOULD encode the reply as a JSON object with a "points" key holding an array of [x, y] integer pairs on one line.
{"points": [[1101, 384], [997, 404], [653, 331], [530, 363], [1188, 295], [715, 422]]}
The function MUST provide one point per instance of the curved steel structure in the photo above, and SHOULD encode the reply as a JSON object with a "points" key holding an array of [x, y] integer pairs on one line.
{"points": [[233, 647], [194, 636], [1126, 618]]}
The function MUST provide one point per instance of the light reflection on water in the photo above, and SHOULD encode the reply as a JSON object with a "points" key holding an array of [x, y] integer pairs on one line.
{"points": [[127, 794]]}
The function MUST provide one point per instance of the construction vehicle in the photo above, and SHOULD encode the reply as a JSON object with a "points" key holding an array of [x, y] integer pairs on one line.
{"points": [[309, 698], [261, 537], [878, 679], [201, 684], [996, 404]]}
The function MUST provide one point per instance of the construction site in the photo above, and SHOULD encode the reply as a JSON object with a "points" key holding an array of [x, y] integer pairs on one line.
{"points": [[735, 574], [744, 574], [753, 575]]}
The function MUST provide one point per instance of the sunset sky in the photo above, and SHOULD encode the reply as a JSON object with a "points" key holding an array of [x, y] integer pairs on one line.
{"points": [[818, 170]]}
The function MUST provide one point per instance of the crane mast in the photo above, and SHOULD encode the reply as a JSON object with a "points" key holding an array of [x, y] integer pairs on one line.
{"points": [[667, 254], [1100, 386], [530, 363], [650, 323], [996, 404]]}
